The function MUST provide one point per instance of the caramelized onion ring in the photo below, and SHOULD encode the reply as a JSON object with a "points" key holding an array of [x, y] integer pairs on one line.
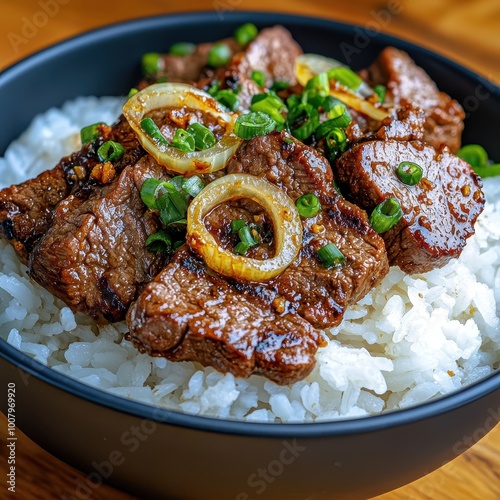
{"points": [[161, 95], [280, 208]]}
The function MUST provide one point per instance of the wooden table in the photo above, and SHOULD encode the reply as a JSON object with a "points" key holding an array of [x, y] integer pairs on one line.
{"points": [[466, 31]]}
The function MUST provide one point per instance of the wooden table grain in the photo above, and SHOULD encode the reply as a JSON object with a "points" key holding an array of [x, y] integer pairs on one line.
{"points": [[467, 31]]}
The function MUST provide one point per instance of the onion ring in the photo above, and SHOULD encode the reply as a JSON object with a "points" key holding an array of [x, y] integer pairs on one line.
{"points": [[280, 208]]}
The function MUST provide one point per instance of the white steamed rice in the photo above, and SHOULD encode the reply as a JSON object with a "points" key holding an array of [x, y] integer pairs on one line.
{"points": [[413, 338]]}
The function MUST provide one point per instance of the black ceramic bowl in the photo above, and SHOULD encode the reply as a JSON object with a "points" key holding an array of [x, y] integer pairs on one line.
{"points": [[162, 454]]}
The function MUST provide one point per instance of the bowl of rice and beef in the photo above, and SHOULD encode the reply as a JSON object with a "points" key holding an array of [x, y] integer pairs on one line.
{"points": [[248, 263]]}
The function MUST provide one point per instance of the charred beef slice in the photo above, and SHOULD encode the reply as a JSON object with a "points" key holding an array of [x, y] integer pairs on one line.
{"points": [[407, 82], [439, 211], [94, 255], [26, 210], [190, 313], [273, 52]]}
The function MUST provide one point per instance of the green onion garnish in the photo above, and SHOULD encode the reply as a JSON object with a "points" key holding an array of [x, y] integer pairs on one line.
{"points": [[253, 124], [345, 76], [474, 154], [270, 104], [150, 63], [149, 192], [246, 33], [182, 49], [246, 236], [90, 133], [303, 121], [150, 127], [219, 55], [386, 215], [172, 207], [183, 140], [318, 85], [278, 86], [227, 98], [259, 78], [237, 224], [477, 157], [192, 185], [336, 142], [110, 151], [160, 241], [132, 92], [329, 255], [380, 90], [409, 173], [308, 205], [203, 136]]}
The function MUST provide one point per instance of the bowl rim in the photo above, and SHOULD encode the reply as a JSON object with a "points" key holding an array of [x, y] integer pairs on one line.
{"points": [[348, 426]]}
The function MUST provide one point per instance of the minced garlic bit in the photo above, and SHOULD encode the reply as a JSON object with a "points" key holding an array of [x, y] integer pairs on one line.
{"points": [[279, 304], [103, 172], [317, 228]]}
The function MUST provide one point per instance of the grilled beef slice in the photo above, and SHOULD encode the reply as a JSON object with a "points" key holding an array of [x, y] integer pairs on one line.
{"points": [[189, 312], [94, 255], [273, 51], [439, 211], [407, 82], [26, 210]]}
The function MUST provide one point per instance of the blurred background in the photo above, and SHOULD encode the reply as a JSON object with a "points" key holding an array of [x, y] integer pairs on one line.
{"points": [[467, 31]]}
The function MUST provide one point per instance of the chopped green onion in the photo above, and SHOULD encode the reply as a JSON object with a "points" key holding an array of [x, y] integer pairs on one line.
{"points": [[90, 133], [246, 33], [253, 124], [308, 205], [203, 136], [303, 120], [241, 248], [150, 63], [259, 78], [270, 104], [318, 85], [132, 92], [182, 49], [150, 127], [336, 143], [237, 224], [380, 90], [489, 171], [213, 89], [160, 241], [474, 154], [329, 255], [172, 207], [246, 236], [409, 173], [183, 140], [345, 76], [227, 98], [386, 215], [193, 185], [278, 86], [110, 151], [219, 55], [149, 192]]}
